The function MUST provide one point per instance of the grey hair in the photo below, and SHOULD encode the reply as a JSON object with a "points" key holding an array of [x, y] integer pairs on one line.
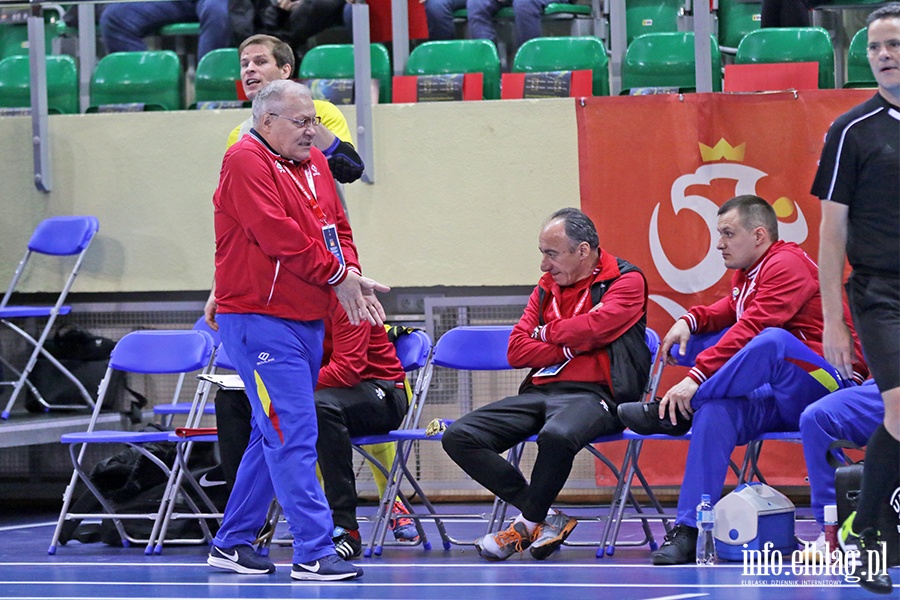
{"points": [[271, 99], [579, 227]]}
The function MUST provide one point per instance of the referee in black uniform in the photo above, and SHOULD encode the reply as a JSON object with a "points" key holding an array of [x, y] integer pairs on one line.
{"points": [[859, 182]]}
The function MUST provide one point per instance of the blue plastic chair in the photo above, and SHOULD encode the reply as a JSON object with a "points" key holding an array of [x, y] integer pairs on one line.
{"points": [[167, 410], [145, 352], [56, 236], [467, 348], [474, 348]]}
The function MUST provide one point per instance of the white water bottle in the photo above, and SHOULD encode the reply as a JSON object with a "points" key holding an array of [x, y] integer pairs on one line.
{"points": [[706, 544]]}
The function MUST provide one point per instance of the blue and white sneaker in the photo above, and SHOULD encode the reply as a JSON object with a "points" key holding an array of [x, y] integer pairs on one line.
{"points": [[240, 559], [403, 528], [329, 568]]}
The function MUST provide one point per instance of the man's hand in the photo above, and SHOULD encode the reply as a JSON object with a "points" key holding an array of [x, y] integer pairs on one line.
{"points": [[837, 344], [679, 334], [678, 398], [209, 310], [357, 295], [288, 4]]}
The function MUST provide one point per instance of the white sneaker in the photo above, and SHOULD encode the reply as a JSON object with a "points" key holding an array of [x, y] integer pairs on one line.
{"points": [[816, 551]]}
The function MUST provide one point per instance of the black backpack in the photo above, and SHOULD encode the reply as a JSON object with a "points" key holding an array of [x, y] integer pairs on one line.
{"points": [[133, 484]]}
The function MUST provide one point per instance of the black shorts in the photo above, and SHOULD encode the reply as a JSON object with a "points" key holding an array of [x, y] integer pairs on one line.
{"points": [[875, 304]]}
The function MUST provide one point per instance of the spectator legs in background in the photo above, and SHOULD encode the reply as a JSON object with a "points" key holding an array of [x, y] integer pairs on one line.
{"points": [[125, 25]]}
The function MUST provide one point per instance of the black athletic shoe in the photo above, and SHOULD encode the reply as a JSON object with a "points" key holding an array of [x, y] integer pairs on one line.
{"points": [[240, 559], [347, 543], [679, 548], [643, 418], [873, 577], [330, 568]]}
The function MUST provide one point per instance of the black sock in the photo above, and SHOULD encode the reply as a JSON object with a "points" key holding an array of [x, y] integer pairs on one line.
{"points": [[880, 475]]}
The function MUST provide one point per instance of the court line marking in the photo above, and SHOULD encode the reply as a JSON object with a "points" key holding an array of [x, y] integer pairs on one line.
{"points": [[460, 584], [374, 565]]}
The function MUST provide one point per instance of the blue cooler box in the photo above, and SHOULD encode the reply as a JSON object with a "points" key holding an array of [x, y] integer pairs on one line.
{"points": [[753, 514]]}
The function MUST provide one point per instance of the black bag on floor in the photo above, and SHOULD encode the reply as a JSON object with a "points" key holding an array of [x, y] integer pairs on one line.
{"points": [[211, 479], [847, 483], [84, 354], [134, 485]]}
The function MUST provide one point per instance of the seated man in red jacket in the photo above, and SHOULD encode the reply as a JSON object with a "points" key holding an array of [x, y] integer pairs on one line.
{"points": [[582, 334], [761, 373]]}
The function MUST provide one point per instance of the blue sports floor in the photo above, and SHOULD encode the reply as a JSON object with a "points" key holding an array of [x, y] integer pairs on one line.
{"points": [[95, 571]]}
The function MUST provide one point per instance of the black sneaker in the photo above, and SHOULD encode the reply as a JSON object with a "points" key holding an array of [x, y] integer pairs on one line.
{"points": [[346, 542], [240, 559], [679, 548], [857, 548], [643, 418], [330, 568]]}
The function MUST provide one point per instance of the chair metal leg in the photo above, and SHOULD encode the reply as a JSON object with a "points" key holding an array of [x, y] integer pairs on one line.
{"points": [[38, 350], [67, 502]]}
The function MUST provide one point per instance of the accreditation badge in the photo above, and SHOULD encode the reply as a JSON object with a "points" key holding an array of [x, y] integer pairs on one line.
{"points": [[329, 234]]}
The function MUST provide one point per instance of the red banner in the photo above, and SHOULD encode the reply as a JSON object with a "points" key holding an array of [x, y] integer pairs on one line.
{"points": [[655, 169]]}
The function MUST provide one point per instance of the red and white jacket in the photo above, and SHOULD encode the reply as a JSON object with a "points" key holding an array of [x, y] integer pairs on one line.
{"points": [[572, 331], [271, 257], [780, 290]]}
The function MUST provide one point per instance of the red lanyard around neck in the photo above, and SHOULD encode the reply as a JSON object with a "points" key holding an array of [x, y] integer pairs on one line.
{"points": [[308, 194]]}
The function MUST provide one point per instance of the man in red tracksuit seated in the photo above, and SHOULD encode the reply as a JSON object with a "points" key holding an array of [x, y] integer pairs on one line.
{"points": [[582, 334], [758, 377]]}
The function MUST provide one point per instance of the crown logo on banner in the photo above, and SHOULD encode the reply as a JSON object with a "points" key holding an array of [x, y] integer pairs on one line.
{"points": [[721, 150]]}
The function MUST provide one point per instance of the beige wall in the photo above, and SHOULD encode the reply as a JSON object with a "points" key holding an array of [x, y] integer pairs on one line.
{"points": [[461, 190]]}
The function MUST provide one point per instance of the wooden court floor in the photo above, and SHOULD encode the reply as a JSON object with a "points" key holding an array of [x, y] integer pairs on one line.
{"points": [[94, 571]]}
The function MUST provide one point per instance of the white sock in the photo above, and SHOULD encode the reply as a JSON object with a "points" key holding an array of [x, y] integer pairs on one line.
{"points": [[529, 525]]}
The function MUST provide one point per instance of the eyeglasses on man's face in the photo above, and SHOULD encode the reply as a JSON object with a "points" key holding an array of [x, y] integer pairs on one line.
{"points": [[301, 123]]}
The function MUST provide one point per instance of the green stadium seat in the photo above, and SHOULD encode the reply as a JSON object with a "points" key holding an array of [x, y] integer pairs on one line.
{"points": [[737, 18], [216, 76], [859, 72], [566, 54], [151, 77], [790, 44], [458, 56], [182, 29], [335, 61], [62, 83], [14, 36], [651, 16], [555, 11], [667, 60]]}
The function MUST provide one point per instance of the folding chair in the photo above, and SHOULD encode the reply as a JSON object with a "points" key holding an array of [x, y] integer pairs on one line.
{"points": [[630, 468], [56, 236], [168, 410], [413, 351], [184, 439], [466, 348], [622, 495], [147, 352]]}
